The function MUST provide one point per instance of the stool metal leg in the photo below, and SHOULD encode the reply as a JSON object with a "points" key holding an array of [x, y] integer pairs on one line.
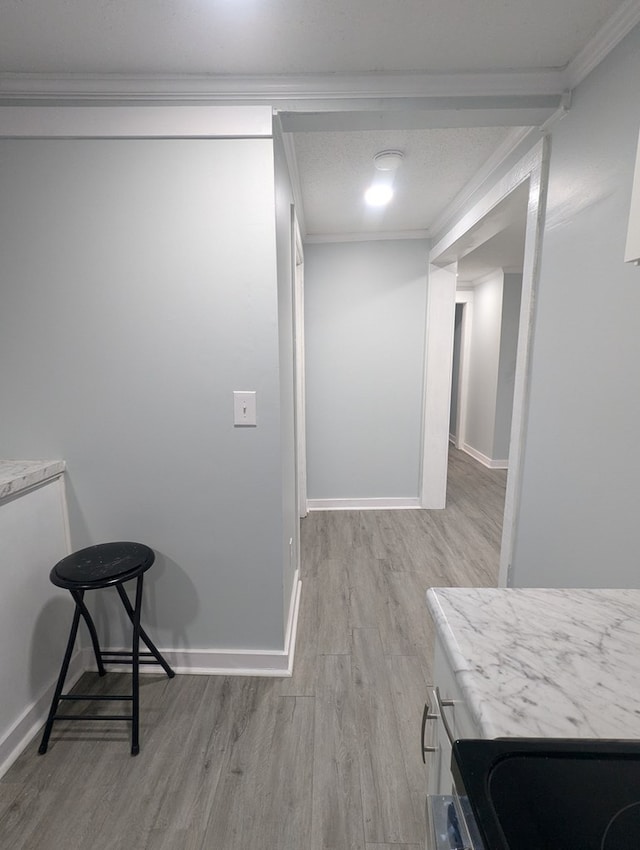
{"points": [[60, 685], [144, 636], [135, 669], [78, 595]]}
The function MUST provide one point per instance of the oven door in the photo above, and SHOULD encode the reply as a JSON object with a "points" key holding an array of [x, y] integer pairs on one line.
{"points": [[450, 824]]}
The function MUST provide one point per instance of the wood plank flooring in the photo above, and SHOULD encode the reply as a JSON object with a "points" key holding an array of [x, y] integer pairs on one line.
{"points": [[327, 759]]}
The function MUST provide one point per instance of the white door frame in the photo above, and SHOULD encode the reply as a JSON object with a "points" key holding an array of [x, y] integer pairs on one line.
{"points": [[464, 297], [299, 365], [532, 167]]}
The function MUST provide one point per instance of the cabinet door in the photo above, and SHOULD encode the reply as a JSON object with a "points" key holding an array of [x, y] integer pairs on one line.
{"points": [[632, 252], [436, 748], [447, 699], [34, 615], [430, 743]]}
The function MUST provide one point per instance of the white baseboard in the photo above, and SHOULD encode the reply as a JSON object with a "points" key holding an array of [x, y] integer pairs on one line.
{"points": [[243, 662], [292, 621], [224, 662], [210, 662], [231, 662], [483, 459], [32, 718], [207, 662], [384, 504]]}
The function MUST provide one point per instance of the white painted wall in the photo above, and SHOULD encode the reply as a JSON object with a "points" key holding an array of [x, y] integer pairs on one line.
{"points": [[138, 290], [484, 364], [364, 324], [578, 523]]}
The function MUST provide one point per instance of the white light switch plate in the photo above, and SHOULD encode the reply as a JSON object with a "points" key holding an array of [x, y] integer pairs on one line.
{"points": [[244, 407]]}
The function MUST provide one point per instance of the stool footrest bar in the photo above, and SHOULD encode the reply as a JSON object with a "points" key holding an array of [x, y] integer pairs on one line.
{"points": [[124, 661], [93, 717], [97, 696], [124, 653]]}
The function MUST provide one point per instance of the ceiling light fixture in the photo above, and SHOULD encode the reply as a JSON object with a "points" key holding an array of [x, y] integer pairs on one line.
{"points": [[381, 190], [388, 160]]}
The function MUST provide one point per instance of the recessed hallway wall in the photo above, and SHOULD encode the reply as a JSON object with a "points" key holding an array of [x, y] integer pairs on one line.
{"points": [[364, 319]]}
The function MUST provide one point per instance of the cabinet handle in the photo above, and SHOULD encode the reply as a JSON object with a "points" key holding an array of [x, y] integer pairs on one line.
{"points": [[442, 704], [427, 714]]}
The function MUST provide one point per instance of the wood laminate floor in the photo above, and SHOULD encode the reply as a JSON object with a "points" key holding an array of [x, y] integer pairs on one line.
{"points": [[325, 760]]}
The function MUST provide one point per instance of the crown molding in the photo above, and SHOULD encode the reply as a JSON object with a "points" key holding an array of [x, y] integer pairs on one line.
{"points": [[413, 113], [504, 97], [366, 237], [514, 139], [283, 91], [297, 91], [608, 36]]}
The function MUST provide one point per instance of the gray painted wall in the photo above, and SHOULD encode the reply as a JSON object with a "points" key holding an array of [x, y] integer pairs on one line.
{"points": [[364, 324], [509, 326], [578, 521], [455, 371], [494, 341], [138, 290], [483, 364]]}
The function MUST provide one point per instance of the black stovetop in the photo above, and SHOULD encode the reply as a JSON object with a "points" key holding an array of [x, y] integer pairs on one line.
{"points": [[551, 794]]}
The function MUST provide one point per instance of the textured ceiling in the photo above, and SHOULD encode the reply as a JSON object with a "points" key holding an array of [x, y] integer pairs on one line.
{"points": [[336, 168], [293, 36], [297, 39]]}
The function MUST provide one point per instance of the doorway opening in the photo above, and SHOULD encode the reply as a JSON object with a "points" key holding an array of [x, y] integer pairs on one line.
{"points": [[522, 189]]}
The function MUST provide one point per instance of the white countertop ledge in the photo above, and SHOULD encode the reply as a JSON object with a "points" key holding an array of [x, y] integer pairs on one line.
{"points": [[19, 475], [544, 663]]}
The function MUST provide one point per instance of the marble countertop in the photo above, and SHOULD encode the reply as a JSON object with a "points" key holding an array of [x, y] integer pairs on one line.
{"points": [[557, 663], [19, 475]]}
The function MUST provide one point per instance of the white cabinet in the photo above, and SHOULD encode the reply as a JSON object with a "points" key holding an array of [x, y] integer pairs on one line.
{"points": [[447, 719], [34, 615], [632, 253]]}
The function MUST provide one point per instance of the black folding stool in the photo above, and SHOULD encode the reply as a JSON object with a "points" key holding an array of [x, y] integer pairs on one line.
{"points": [[105, 565]]}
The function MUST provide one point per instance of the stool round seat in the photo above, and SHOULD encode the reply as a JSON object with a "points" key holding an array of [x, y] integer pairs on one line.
{"points": [[102, 566]]}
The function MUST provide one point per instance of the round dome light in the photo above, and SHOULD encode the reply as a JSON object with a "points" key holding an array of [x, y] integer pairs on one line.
{"points": [[388, 160]]}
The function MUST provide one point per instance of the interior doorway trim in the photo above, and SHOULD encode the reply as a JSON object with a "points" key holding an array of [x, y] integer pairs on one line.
{"points": [[464, 297], [299, 366], [436, 407], [438, 370]]}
